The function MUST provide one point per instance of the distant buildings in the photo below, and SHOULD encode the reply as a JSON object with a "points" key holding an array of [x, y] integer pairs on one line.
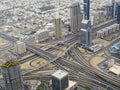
{"points": [[57, 27], [86, 33], [99, 16], [109, 12], [41, 36], [76, 17], [60, 81], [20, 47], [12, 75], [107, 31]]}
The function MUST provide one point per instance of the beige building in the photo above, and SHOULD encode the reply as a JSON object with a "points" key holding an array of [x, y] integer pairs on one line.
{"points": [[76, 17], [107, 31], [42, 35], [99, 17], [72, 85], [57, 27], [20, 47]]}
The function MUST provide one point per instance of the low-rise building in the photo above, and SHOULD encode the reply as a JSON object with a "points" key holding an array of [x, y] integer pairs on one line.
{"points": [[96, 47], [72, 85], [115, 69], [20, 47], [41, 35], [107, 31]]}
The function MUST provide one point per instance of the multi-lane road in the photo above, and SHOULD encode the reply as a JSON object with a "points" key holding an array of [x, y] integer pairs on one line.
{"points": [[109, 81], [83, 70]]}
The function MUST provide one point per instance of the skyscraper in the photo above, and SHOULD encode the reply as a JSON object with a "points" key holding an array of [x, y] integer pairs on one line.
{"points": [[118, 14], [87, 9], [57, 26], [109, 11], [60, 80], [76, 17], [12, 75], [86, 33], [115, 5]]}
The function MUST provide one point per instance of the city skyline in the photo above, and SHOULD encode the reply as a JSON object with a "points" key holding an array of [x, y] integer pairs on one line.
{"points": [[60, 45]]}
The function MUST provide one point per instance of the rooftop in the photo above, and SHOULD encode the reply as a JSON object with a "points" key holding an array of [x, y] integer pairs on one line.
{"points": [[60, 74], [116, 47], [115, 69], [72, 84], [10, 64]]}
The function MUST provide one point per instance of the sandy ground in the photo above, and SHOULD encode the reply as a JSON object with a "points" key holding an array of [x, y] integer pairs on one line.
{"points": [[101, 41], [3, 42], [56, 52], [26, 65], [95, 61], [27, 56], [39, 62]]}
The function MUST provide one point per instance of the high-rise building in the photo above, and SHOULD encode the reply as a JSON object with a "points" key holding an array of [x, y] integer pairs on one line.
{"points": [[76, 17], [113, 8], [12, 75], [109, 11], [20, 47], [87, 9], [60, 80], [57, 26], [86, 33], [115, 5], [118, 14]]}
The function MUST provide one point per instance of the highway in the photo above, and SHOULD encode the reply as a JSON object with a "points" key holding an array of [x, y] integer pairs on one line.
{"points": [[103, 25], [79, 71], [98, 73], [40, 52], [8, 38], [33, 57], [83, 67]]}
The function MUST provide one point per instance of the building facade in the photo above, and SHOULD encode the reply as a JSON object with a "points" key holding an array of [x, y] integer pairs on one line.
{"points": [[118, 14], [86, 33], [87, 9], [41, 36], [57, 27], [12, 75], [76, 17], [115, 5], [20, 47], [109, 12], [60, 80]]}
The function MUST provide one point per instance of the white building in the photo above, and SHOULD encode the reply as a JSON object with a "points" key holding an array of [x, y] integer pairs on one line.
{"points": [[96, 47], [20, 47], [42, 35], [115, 69], [72, 85]]}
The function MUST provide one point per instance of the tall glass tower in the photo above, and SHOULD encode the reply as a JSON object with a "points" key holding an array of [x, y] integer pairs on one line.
{"points": [[87, 9], [118, 14], [12, 75]]}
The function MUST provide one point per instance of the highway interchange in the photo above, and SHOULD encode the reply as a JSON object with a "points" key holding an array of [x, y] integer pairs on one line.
{"points": [[79, 68]]}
